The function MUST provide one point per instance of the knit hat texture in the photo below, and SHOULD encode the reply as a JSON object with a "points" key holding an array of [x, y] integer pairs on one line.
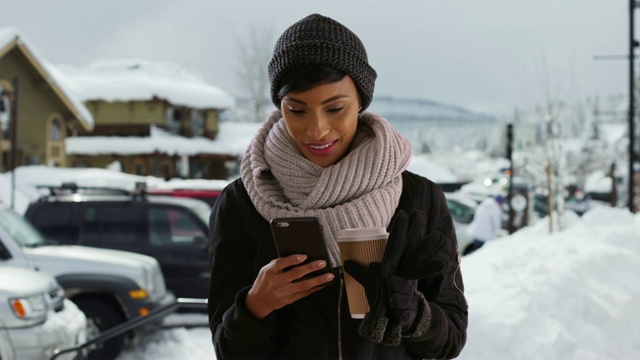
{"points": [[319, 40]]}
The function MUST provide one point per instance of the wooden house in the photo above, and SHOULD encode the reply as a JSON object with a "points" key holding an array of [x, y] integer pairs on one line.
{"points": [[44, 108], [134, 102]]}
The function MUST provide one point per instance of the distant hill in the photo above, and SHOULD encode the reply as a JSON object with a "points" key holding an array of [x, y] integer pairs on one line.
{"points": [[431, 126], [410, 109]]}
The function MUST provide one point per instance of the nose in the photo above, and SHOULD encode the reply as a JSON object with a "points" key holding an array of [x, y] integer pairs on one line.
{"points": [[319, 127]]}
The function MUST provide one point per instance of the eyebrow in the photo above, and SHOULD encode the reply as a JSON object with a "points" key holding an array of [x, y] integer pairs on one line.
{"points": [[333, 98]]}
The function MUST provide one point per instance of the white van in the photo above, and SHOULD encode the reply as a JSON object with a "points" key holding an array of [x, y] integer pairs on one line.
{"points": [[35, 316]]}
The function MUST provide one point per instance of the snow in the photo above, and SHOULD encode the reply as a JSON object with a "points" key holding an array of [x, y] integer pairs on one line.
{"points": [[420, 164], [129, 80], [232, 139], [7, 35], [571, 295], [598, 182], [28, 178], [52, 75], [532, 295], [173, 344]]}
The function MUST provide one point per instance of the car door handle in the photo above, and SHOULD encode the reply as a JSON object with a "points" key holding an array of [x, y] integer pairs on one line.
{"points": [[205, 275]]}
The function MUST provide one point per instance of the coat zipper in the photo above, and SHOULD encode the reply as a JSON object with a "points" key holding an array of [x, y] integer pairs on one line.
{"points": [[340, 318]]}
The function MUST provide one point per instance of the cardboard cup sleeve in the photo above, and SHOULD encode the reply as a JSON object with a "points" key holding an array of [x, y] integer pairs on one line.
{"points": [[362, 245]]}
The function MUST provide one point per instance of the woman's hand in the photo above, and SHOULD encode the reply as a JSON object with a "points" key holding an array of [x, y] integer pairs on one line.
{"points": [[275, 288]]}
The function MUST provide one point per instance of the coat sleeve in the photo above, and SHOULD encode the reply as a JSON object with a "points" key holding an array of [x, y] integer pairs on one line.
{"points": [[443, 287], [236, 333]]}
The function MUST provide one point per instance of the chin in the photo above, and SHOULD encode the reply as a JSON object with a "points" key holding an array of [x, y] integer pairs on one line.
{"points": [[323, 162]]}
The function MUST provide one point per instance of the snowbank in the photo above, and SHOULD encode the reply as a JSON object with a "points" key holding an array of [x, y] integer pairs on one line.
{"points": [[569, 295]]}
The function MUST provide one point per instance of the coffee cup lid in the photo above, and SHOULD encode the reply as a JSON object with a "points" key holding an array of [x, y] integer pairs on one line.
{"points": [[360, 234]]}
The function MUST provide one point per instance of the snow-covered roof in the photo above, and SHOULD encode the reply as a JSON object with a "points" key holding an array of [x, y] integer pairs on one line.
{"points": [[7, 35], [129, 80], [232, 139], [10, 37]]}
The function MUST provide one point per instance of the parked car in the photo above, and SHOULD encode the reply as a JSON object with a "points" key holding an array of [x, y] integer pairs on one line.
{"points": [[109, 286], [462, 209], [35, 316], [172, 230], [207, 195]]}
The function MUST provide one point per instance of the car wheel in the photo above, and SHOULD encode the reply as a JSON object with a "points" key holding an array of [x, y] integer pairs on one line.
{"points": [[101, 316]]}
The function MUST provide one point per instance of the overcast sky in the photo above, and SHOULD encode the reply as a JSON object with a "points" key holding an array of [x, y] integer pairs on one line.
{"points": [[487, 55]]}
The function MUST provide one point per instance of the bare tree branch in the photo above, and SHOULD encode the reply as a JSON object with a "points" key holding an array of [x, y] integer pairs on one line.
{"points": [[254, 54]]}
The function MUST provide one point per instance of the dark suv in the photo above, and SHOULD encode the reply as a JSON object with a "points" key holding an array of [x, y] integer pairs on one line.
{"points": [[172, 230]]}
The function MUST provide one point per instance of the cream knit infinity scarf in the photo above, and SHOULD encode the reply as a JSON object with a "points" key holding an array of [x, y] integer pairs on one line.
{"points": [[361, 190]]}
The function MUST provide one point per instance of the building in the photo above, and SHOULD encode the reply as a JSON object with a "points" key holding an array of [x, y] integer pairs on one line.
{"points": [[48, 113], [140, 105]]}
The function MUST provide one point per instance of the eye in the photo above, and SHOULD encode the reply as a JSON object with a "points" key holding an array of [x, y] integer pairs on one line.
{"points": [[336, 109], [296, 112]]}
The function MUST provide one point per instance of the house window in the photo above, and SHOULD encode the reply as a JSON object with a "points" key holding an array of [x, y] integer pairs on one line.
{"points": [[197, 123], [197, 169], [34, 160], [56, 131], [172, 118], [4, 115]]}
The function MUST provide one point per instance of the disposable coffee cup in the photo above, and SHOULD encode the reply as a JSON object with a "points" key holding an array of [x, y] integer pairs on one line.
{"points": [[364, 246]]}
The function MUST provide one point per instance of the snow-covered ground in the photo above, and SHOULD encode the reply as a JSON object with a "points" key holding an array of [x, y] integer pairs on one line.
{"points": [[569, 295]]}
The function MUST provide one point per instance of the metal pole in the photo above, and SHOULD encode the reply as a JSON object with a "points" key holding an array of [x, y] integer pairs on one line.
{"points": [[511, 227], [14, 140], [632, 45]]}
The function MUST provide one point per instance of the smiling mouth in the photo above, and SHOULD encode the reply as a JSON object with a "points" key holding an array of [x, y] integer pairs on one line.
{"points": [[321, 149]]}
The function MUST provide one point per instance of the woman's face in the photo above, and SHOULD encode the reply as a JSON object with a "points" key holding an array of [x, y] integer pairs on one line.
{"points": [[322, 121]]}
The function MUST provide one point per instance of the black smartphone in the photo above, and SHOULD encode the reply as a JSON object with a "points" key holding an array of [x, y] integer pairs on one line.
{"points": [[301, 235]]}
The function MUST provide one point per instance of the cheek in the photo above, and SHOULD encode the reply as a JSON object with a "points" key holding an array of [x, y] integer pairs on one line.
{"points": [[350, 127], [293, 131]]}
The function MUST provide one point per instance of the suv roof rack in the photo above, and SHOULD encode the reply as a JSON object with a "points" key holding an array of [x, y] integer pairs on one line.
{"points": [[69, 188]]}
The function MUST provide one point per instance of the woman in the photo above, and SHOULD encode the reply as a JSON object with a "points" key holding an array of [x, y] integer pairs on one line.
{"points": [[320, 154]]}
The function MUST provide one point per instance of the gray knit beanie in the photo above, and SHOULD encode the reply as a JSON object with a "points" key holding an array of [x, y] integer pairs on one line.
{"points": [[319, 40]]}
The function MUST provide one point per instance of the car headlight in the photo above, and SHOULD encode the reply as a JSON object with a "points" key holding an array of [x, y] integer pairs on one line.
{"points": [[146, 288], [30, 308]]}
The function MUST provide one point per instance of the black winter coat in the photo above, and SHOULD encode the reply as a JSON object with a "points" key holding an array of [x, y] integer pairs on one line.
{"points": [[319, 326]]}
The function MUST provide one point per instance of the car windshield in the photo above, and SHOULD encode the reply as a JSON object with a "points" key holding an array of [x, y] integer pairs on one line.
{"points": [[460, 212], [20, 229]]}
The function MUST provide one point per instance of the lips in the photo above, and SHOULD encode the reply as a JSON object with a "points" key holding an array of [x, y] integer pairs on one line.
{"points": [[321, 149]]}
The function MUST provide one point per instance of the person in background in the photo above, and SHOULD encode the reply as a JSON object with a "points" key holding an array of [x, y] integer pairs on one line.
{"points": [[486, 224], [321, 154]]}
